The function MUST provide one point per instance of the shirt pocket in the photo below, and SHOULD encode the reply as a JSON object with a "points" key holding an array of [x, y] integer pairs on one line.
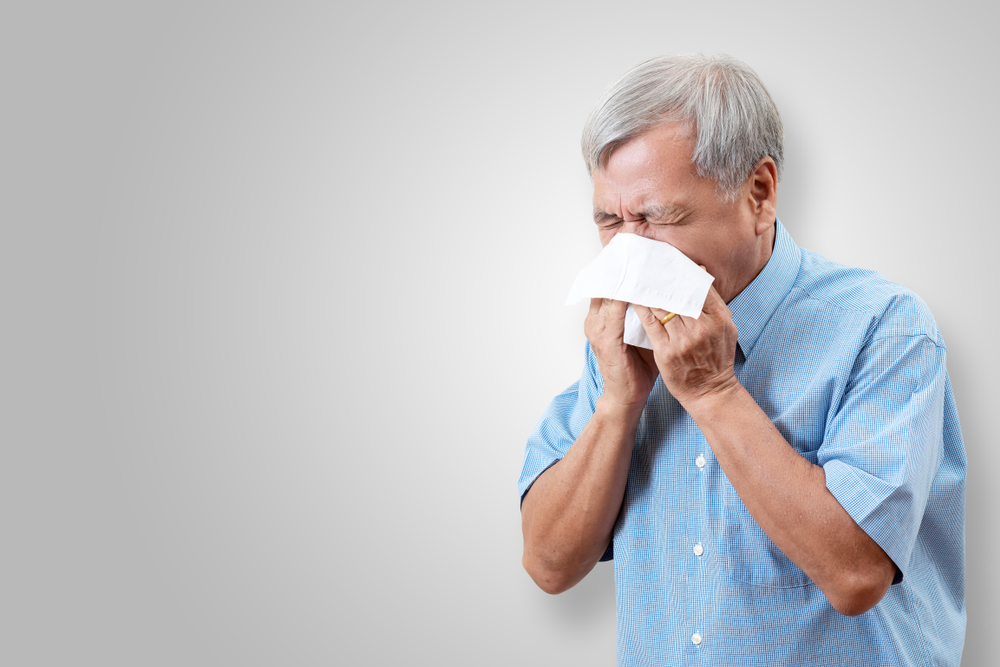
{"points": [[746, 554]]}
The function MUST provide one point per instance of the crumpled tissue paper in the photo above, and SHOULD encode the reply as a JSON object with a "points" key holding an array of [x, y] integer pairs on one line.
{"points": [[650, 273]]}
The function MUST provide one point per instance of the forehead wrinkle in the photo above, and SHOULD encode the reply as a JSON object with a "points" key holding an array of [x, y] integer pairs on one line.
{"points": [[645, 196], [633, 201]]}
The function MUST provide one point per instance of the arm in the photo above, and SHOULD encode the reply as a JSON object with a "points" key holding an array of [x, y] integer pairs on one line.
{"points": [[568, 514], [789, 499], [570, 510], [785, 494]]}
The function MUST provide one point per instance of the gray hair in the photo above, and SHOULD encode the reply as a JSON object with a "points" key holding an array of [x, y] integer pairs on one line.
{"points": [[736, 120]]}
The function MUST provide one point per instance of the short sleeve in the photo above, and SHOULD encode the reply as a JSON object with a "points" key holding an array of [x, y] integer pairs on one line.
{"points": [[562, 423], [883, 447]]}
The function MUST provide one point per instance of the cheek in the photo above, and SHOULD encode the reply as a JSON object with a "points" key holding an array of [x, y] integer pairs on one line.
{"points": [[692, 248], [708, 252]]}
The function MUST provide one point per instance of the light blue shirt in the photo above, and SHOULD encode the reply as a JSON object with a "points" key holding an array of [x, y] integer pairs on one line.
{"points": [[851, 370]]}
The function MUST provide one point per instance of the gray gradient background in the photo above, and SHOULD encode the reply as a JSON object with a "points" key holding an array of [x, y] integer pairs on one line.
{"points": [[282, 298]]}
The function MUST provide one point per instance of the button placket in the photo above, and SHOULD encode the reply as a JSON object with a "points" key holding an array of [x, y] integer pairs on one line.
{"points": [[700, 588]]}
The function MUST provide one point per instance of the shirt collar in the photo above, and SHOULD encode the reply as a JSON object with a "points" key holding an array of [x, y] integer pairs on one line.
{"points": [[753, 307]]}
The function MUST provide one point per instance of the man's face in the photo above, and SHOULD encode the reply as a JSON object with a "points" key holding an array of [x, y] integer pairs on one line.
{"points": [[649, 187]]}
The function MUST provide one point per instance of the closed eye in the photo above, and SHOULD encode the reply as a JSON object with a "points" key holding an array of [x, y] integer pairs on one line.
{"points": [[606, 219], [665, 215]]}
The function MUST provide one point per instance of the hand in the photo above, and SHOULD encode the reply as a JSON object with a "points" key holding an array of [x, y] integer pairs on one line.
{"points": [[629, 372], [694, 356]]}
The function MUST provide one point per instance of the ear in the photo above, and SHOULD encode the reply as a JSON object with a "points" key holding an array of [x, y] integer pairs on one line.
{"points": [[763, 195]]}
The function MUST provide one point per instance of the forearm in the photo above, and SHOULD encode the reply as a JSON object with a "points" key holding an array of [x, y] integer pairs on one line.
{"points": [[569, 512], [788, 498]]}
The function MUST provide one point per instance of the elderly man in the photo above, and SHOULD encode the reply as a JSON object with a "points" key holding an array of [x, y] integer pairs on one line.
{"points": [[780, 481]]}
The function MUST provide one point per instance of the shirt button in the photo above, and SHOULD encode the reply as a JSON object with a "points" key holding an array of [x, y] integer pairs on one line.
{"points": [[696, 639], [698, 550], [700, 461]]}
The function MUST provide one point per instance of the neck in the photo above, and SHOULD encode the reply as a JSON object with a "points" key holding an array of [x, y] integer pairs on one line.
{"points": [[765, 246]]}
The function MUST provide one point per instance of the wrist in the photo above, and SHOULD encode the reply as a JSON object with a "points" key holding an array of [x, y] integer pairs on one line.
{"points": [[715, 399], [610, 410]]}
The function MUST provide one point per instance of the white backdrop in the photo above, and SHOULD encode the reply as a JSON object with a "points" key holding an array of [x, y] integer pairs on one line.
{"points": [[282, 292]]}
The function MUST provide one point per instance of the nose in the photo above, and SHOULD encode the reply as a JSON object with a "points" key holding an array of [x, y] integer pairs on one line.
{"points": [[631, 226], [635, 226]]}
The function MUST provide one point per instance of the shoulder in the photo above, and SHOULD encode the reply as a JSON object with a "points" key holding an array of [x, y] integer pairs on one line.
{"points": [[890, 309]]}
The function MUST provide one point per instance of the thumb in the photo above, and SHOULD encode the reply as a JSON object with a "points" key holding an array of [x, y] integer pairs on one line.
{"points": [[713, 299]]}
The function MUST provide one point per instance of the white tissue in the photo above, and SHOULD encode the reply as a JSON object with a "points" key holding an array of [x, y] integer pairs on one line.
{"points": [[650, 273]]}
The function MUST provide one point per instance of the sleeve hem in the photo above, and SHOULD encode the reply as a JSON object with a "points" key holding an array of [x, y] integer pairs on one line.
{"points": [[531, 481], [871, 512]]}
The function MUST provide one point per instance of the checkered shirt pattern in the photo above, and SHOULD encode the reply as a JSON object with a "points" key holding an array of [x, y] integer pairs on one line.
{"points": [[851, 370]]}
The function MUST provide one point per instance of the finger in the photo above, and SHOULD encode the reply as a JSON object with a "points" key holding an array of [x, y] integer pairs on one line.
{"points": [[613, 307], [613, 314], [613, 310], [713, 301], [663, 316], [595, 306], [713, 298], [658, 335], [660, 314], [592, 323]]}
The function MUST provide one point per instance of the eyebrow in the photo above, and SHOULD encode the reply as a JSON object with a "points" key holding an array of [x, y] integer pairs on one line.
{"points": [[651, 212], [661, 211], [600, 216]]}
